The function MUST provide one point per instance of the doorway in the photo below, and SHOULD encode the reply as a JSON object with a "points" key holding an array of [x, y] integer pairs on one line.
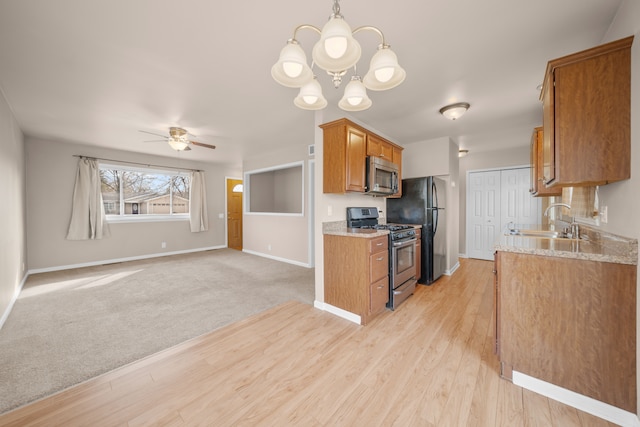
{"points": [[234, 213], [494, 199]]}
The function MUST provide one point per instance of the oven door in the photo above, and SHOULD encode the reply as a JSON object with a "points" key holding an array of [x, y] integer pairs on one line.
{"points": [[403, 261]]}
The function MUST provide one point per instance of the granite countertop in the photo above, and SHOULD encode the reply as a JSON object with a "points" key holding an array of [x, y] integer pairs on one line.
{"points": [[597, 246], [339, 228]]}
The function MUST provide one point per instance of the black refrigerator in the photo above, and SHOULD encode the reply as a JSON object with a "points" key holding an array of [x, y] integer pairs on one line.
{"points": [[423, 201]]}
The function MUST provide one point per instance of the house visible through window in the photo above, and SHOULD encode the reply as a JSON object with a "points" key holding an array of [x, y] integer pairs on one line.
{"points": [[144, 194]]}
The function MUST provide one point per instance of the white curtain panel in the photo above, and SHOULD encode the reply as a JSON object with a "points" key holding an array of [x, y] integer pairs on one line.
{"points": [[198, 215], [88, 220]]}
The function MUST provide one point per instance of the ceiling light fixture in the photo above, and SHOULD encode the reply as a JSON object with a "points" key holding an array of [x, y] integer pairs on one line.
{"points": [[177, 144], [462, 152], [455, 111], [179, 139], [336, 52]]}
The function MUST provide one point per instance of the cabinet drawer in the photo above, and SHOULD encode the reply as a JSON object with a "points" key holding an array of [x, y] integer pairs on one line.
{"points": [[379, 266], [378, 244], [378, 295]]}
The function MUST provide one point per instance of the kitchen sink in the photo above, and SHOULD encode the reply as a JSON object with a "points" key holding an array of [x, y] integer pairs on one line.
{"points": [[547, 234]]}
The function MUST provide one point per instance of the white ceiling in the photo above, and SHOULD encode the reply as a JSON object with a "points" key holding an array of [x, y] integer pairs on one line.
{"points": [[98, 71]]}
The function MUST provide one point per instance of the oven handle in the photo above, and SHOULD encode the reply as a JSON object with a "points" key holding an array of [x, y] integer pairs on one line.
{"points": [[404, 242]]}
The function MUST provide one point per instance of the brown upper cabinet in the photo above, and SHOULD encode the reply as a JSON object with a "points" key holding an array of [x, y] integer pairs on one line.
{"points": [[538, 188], [587, 116], [346, 146]]}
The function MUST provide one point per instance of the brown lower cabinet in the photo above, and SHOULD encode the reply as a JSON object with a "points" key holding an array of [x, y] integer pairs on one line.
{"points": [[568, 322], [356, 274]]}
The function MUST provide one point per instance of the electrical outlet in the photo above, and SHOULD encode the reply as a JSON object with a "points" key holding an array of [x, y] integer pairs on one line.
{"points": [[329, 210], [604, 214], [164, 245], [269, 246]]}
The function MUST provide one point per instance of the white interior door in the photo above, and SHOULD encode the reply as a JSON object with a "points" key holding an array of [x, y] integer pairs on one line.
{"points": [[494, 199], [483, 213], [518, 206]]}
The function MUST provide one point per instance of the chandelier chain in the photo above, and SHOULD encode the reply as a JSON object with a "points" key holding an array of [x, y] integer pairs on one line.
{"points": [[336, 8]]}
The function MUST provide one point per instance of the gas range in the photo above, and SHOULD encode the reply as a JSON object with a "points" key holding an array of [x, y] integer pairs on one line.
{"points": [[397, 231], [402, 252], [367, 218]]}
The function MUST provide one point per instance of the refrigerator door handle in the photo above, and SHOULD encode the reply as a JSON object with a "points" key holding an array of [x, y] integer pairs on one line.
{"points": [[434, 192], [435, 220]]}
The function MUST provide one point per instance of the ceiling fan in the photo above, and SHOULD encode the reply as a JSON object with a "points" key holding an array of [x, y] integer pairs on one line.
{"points": [[178, 139]]}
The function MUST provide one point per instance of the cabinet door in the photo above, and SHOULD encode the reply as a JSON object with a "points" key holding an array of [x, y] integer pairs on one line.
{"points": [[538, 188], [378, 295], [356, 155], [379, 266], [587, 116], [548, 141], [379, 148]]}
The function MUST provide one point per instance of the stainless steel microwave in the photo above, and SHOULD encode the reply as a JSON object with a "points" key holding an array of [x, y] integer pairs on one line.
{"points": [[382, 177]]}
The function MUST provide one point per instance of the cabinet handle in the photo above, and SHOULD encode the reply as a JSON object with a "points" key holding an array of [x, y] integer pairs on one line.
{"points": [[380, 259], [379, 244]]}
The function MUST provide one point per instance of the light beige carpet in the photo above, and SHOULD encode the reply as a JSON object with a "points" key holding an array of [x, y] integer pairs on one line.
{"points": [[69, 326]]}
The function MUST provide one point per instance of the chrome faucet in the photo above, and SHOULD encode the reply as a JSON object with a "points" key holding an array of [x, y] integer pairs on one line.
{"points": [[574, 228], [555, 205]]}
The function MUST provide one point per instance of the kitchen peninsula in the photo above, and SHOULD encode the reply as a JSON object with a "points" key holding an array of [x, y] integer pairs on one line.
{"points": [[566, 315]]}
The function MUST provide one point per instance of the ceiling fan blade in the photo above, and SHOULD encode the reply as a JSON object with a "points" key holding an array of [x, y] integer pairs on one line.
{"points": [[155, 134], [200, 144], [156, 140]]}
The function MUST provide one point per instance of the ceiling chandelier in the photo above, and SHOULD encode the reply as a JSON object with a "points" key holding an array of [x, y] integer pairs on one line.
{"points": [[336, 52]]}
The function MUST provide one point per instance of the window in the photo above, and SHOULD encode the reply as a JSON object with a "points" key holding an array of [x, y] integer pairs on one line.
{"points": [[141, 194]]}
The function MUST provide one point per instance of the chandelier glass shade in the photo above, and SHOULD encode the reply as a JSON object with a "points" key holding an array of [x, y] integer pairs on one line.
{"points": [[336, 52], [310, 96], [355, 96]]}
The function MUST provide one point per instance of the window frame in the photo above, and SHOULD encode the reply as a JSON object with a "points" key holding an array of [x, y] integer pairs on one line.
{"points": [[136, 218]]}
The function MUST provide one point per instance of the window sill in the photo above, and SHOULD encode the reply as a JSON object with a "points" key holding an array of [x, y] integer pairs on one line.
{"points": [[116, 219]]}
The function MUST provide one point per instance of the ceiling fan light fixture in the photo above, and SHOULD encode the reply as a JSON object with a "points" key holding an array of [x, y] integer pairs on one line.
{"points": [[178, 144], [455, 111]]}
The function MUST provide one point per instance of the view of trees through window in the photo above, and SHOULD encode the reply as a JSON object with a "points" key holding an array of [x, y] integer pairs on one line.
{"points": [[139, 192]]}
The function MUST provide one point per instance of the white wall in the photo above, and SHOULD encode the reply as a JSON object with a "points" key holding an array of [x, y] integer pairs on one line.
{"points": [[13, 240], [282, 237], [51, 170], [622, 198], [427, 158]]}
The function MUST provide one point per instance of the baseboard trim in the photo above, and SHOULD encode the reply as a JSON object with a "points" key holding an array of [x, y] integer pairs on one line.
{"points": [[16, 294], [453, 269], [288, 261], [576, 400], [116, 260], [338, 312]]}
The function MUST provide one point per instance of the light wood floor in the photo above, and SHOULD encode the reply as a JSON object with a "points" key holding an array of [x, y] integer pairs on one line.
{"points": [[429, 363]]}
